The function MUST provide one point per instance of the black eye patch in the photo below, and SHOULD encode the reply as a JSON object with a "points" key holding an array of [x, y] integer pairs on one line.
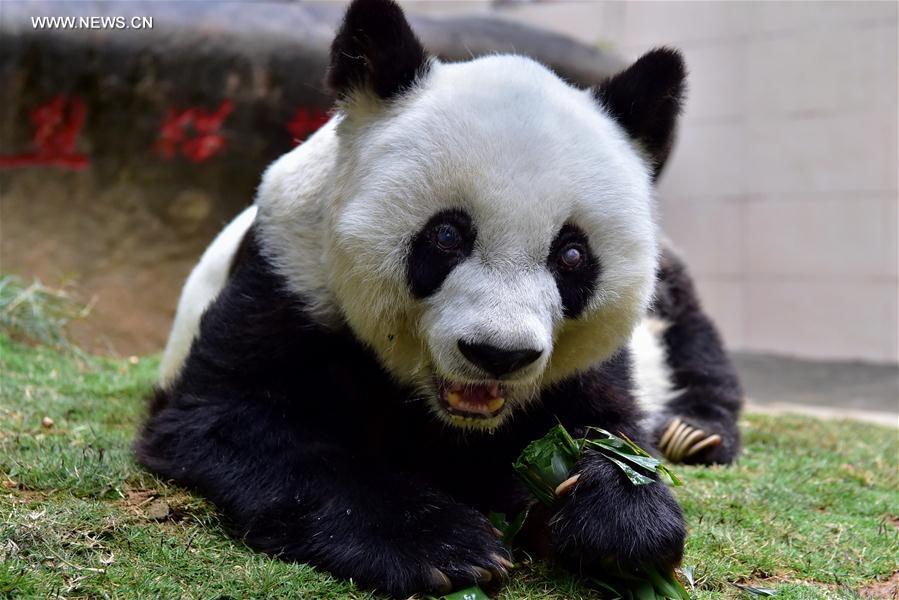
{"points": [[445, 241], [575, 269]]}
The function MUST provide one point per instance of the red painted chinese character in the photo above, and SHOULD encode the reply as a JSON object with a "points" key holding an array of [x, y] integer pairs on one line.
{"points": [[206, 140], [306, 121], [56, 126]]}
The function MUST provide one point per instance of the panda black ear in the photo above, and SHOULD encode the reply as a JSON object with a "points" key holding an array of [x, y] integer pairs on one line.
{"points": [[375, 49], [646, 100]]}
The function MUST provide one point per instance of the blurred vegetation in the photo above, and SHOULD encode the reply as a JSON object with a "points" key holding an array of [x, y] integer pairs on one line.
{"points": [[37, 313]]}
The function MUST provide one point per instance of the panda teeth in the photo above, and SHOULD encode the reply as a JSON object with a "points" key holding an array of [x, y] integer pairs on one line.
{"points": [[495, 404], [456, 401]]}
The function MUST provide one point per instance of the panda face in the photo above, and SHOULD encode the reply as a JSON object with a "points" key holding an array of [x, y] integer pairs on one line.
{"points": [[484, 227], [492, 232]]}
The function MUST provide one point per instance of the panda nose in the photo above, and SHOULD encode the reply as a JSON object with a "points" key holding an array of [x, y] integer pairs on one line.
{"points": [[498, 361]]}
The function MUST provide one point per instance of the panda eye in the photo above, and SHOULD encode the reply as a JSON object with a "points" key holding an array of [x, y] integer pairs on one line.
{"points": [[575, 269], [571, 257], [440, 245], [447, 237]]}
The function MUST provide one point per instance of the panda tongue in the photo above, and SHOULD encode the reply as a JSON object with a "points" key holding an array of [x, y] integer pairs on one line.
{"points": [[476, 399]]}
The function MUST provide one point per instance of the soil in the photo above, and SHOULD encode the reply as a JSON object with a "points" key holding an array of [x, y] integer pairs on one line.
{"points": [[117, 248], [882, 589]]}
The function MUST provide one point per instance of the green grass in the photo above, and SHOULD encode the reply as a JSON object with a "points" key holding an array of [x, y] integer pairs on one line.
{"points": [[810, 510]]}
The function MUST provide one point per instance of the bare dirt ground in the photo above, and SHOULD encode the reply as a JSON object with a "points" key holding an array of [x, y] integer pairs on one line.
{"points": [[882, 589], [115, 249]]}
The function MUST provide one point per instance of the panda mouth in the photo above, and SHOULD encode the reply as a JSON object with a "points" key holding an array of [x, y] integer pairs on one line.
{"points": [[473, 401]]}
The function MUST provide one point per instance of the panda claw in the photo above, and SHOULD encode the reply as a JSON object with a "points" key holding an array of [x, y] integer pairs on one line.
{"points": [[484, 576], [677, 449], [689, 437], [678, 443], [711, 441], [668, 433], [567, 484], [505, 562], [668, 448], [440, 581]]}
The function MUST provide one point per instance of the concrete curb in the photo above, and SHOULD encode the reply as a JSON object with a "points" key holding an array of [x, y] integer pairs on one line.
{"points": [[884, 419]]}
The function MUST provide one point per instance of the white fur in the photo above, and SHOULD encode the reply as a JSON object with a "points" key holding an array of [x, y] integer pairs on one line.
{"points": [[202, 287], [652, 375], [523, 153]]}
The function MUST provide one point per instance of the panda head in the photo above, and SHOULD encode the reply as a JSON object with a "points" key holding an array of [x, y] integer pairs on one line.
{"points": [[490, 229]]}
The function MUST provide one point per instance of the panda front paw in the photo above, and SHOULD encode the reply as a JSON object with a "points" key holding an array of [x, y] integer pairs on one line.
{"points": [[696, 440], [442, 547], [605, 519]]}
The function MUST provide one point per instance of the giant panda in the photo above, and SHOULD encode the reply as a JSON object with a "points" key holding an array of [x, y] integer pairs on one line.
{"points": [[463, 256]]}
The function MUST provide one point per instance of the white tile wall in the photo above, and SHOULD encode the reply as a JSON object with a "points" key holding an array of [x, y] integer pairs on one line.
{"points": [[836, 16], [709, 161], [831, 236], [717, 83], [821, 71], [890, 252], [725, 299], [653, 23], [845, 152], [709, 235], [835, 319]]}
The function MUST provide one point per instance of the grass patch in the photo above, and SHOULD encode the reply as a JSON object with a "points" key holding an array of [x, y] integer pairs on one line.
{"points": [[36, 312], [811, 509]]}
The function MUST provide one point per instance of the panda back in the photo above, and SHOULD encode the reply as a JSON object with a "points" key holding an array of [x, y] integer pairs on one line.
{"points": [[202, 287]]}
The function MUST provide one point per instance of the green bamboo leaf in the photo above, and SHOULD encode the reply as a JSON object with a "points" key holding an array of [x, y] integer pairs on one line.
{"points": [[667, 586], [604, 585], [634, 454], [547, 462], [498, 520], [622, 450], [644, 590], [509, 529], [636, 478], [667, 476], [472, 593]]}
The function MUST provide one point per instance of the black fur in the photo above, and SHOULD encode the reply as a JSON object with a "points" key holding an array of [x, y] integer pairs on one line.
{"points": [[300, 438], [375, 48], [428, 264], [712, 397], [646, 100], [575, 286]]}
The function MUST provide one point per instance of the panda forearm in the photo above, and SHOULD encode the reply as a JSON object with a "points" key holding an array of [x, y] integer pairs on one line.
{"points": [[297, 494], [239, 455], [698, 419], [694, 350], [700, 363]]}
